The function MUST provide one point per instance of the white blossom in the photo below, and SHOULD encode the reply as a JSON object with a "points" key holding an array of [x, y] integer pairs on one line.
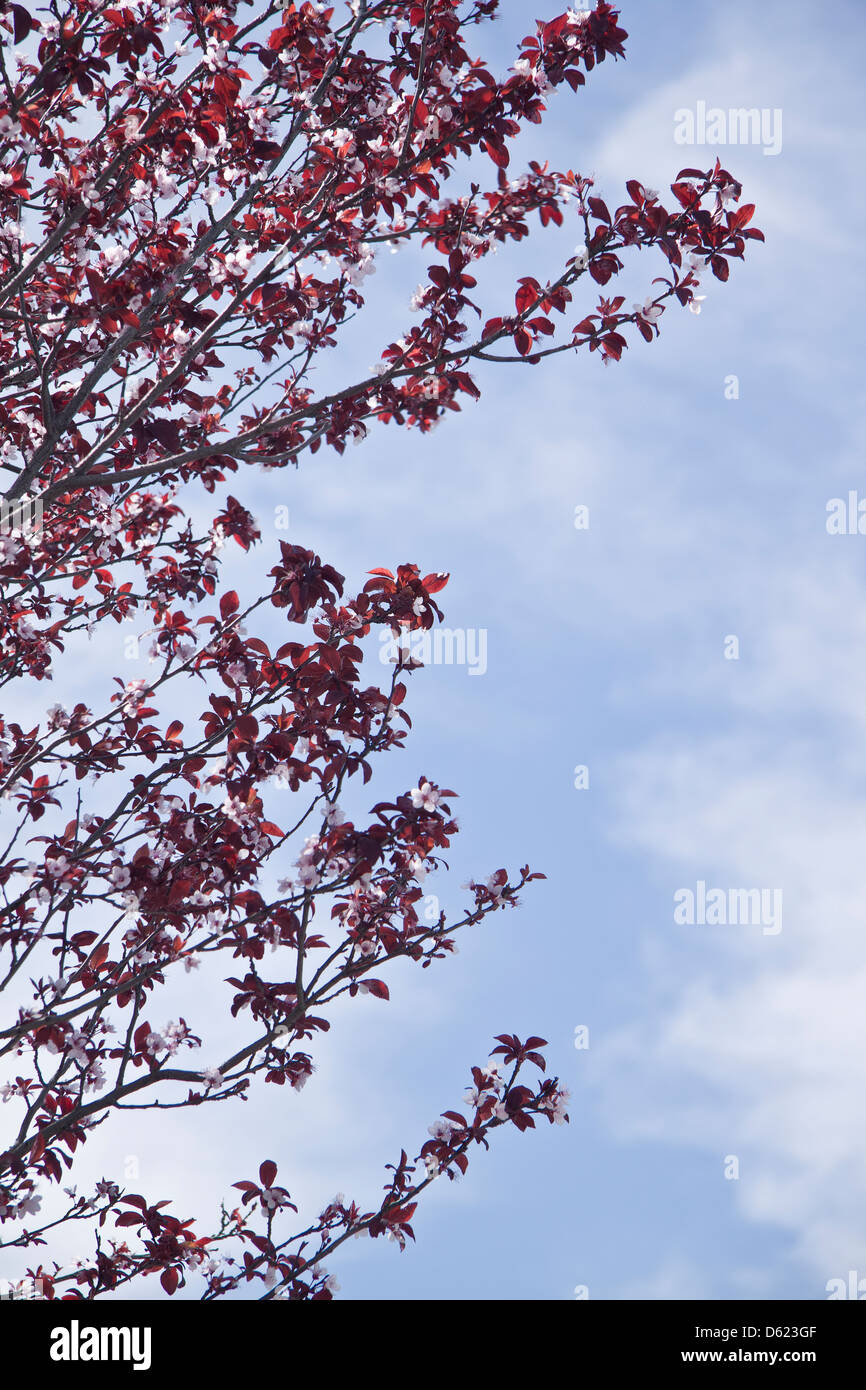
{"points": [[424, 797]]}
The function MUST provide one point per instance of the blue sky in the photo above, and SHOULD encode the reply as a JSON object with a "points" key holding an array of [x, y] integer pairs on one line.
{"points": [[606, 648]]}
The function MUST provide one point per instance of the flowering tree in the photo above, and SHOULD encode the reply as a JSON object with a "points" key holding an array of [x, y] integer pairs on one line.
{"points": [[190, 199]]}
